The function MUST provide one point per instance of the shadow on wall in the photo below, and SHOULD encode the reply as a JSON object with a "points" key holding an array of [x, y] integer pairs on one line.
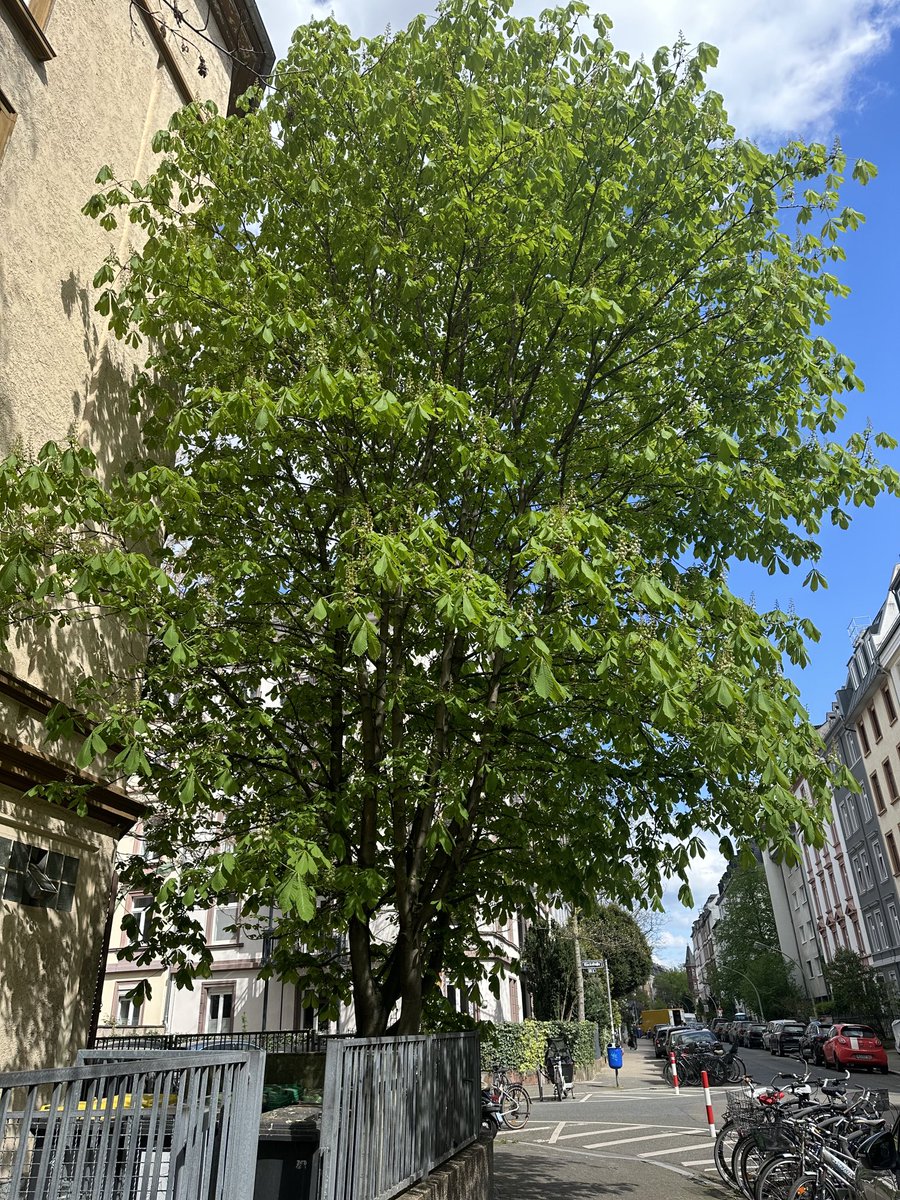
{"points": [[50, 963], [102, 417]]}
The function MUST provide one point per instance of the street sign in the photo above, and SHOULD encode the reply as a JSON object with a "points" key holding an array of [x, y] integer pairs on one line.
{"points": [[592, 964]]}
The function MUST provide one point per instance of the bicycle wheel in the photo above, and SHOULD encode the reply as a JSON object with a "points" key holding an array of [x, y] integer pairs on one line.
{"points": [[748, 1161], [736, 1070], [726, 1140], [515, 1105], [811, 1187], [777, 1177]]}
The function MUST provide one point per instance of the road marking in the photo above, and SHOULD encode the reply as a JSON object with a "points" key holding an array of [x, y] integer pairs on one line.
{"points": [[557, 1131], [589, 1132], [647, 1137], [696, 1162], [674, 1150]]}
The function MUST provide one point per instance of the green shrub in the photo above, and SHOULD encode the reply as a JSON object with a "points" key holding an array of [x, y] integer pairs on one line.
{"points": [[520, 1046]]}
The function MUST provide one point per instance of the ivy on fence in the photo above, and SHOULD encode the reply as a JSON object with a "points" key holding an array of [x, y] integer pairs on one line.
{"points": [[520, 1046]]}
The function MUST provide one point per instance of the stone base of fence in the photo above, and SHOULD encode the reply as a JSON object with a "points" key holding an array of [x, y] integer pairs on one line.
{"points": [[468, 1175], [529, 1078]]}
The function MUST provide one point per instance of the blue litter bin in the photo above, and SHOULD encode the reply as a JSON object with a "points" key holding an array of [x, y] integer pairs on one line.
{"points": [[614, 1057]]}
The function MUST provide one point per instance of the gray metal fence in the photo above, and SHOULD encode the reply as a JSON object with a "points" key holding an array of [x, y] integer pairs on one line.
{"points": [[393, 1109], [144, 1127]]}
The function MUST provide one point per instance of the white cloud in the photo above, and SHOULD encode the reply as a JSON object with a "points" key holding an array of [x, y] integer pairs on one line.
{"points": [[786, 66], [703, 876]]}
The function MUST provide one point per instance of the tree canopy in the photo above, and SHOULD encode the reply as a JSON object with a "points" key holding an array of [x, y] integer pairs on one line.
{"points": [[671, 989], [475, 352]]}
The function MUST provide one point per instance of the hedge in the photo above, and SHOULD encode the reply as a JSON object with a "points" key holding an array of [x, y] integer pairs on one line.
{"points": [[520, 1046]]}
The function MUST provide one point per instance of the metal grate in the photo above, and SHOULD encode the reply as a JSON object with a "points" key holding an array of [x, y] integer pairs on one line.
{"points": [[148, 1127], [394, 1109]]}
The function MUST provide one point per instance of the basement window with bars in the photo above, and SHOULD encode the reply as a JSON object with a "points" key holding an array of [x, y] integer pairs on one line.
{"points": [[37, 877]]}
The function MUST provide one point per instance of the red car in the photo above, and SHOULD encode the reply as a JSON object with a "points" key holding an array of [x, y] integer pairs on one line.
{"points": [[853, 1045]]}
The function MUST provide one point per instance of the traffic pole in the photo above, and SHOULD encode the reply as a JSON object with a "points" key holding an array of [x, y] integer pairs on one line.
{"points": [[711, 1120], [674, 1067]]}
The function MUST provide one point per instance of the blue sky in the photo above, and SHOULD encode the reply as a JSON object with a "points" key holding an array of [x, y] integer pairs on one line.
{"points": [[813, 68]]}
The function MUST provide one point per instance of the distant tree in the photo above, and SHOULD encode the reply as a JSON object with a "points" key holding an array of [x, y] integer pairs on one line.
{"points": [[857, 994], [671, 988], [549, 970], [749, 963], [615, 935]]}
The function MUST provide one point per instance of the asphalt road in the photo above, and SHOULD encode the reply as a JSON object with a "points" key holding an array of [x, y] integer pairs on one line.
{"points": [[638, 1141]]}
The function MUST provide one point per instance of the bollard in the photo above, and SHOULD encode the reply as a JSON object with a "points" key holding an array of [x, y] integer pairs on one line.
{"points": [[674, 1072], [711, 1120]]}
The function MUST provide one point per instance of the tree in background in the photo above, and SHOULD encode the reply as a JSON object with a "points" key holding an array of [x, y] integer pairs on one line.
{"points": [[548, 963], [474, 355], [749, 965], [856, 992], [671, 989]]}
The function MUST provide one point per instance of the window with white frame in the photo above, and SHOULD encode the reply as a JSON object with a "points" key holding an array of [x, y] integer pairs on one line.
{"points": [[866, 869], [128, 1010], [225, 917], [878, 858], [893, 922], [219, 1010]]}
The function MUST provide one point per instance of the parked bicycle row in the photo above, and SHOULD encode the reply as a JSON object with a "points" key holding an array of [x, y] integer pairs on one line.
{"points": [[799, 1138], [509, 1104]]}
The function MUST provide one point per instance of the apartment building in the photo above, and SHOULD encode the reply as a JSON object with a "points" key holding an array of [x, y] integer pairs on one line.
{"points": [[703, 948], [82, 83]]}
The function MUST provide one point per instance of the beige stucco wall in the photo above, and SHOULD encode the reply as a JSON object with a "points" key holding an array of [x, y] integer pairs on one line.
{"points": [[98, 101], [51, 959]]}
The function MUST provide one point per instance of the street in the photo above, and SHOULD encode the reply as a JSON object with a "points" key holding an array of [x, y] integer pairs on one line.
{"points": [[638, 1140]]}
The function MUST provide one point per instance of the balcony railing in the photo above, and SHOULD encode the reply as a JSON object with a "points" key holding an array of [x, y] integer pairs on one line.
{"points": [[278, 1041]]}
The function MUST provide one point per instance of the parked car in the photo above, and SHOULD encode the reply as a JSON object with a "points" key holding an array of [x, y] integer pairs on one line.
{"points": [[753, 1034], [771, 1028], [786, 1039], [681, 1039], [659, 1038], [850, 1044], [718, 1025], [738, 1029], [814, 1038]]}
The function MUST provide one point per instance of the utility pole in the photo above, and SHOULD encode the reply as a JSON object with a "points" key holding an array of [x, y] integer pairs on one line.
{"points": [[579, 976]]}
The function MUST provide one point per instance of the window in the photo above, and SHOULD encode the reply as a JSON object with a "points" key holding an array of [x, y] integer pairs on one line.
{"points": [[877, 792], [892, 853], [866, 869], [894, 923], [880, 865], [30, 18], [882, 941], [219, 1010], [863, 737], [7, 121], [851, 747], [140, 908], [865, 804], [874, 932], [891, 781], [225, 919], [876, 724], [889, 703], [128, 1011], [848, 812]]}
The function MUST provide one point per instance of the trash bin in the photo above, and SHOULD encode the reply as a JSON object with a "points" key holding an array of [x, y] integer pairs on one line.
{"points": [[614, 1057]]}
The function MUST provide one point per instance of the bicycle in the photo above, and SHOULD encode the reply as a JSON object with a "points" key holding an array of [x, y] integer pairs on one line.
{"points": [[514, 1100]]}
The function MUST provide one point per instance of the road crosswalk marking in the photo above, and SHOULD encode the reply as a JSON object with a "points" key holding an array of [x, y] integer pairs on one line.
{"points": [[647, 1137], [672, 1150]]}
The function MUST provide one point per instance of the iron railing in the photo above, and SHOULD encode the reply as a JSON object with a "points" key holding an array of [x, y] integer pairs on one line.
{"points": [[393, 1109], [278, 1041], [144, 1126]]}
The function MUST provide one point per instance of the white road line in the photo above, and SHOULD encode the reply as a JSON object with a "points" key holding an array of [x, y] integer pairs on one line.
{"points": [[696, 1162], [590, 1132], [673, 1150], [647, 1137], [557, 1131]]}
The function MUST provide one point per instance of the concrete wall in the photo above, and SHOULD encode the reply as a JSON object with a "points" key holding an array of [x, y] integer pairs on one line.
{"points": [[469, 1175]]}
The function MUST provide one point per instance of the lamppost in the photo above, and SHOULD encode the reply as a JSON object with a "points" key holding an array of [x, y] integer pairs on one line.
{"points": [[762, 1015], [799, 966]]}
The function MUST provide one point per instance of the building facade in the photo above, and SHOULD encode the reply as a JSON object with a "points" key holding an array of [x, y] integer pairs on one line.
{"points": [[82, 83]]}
